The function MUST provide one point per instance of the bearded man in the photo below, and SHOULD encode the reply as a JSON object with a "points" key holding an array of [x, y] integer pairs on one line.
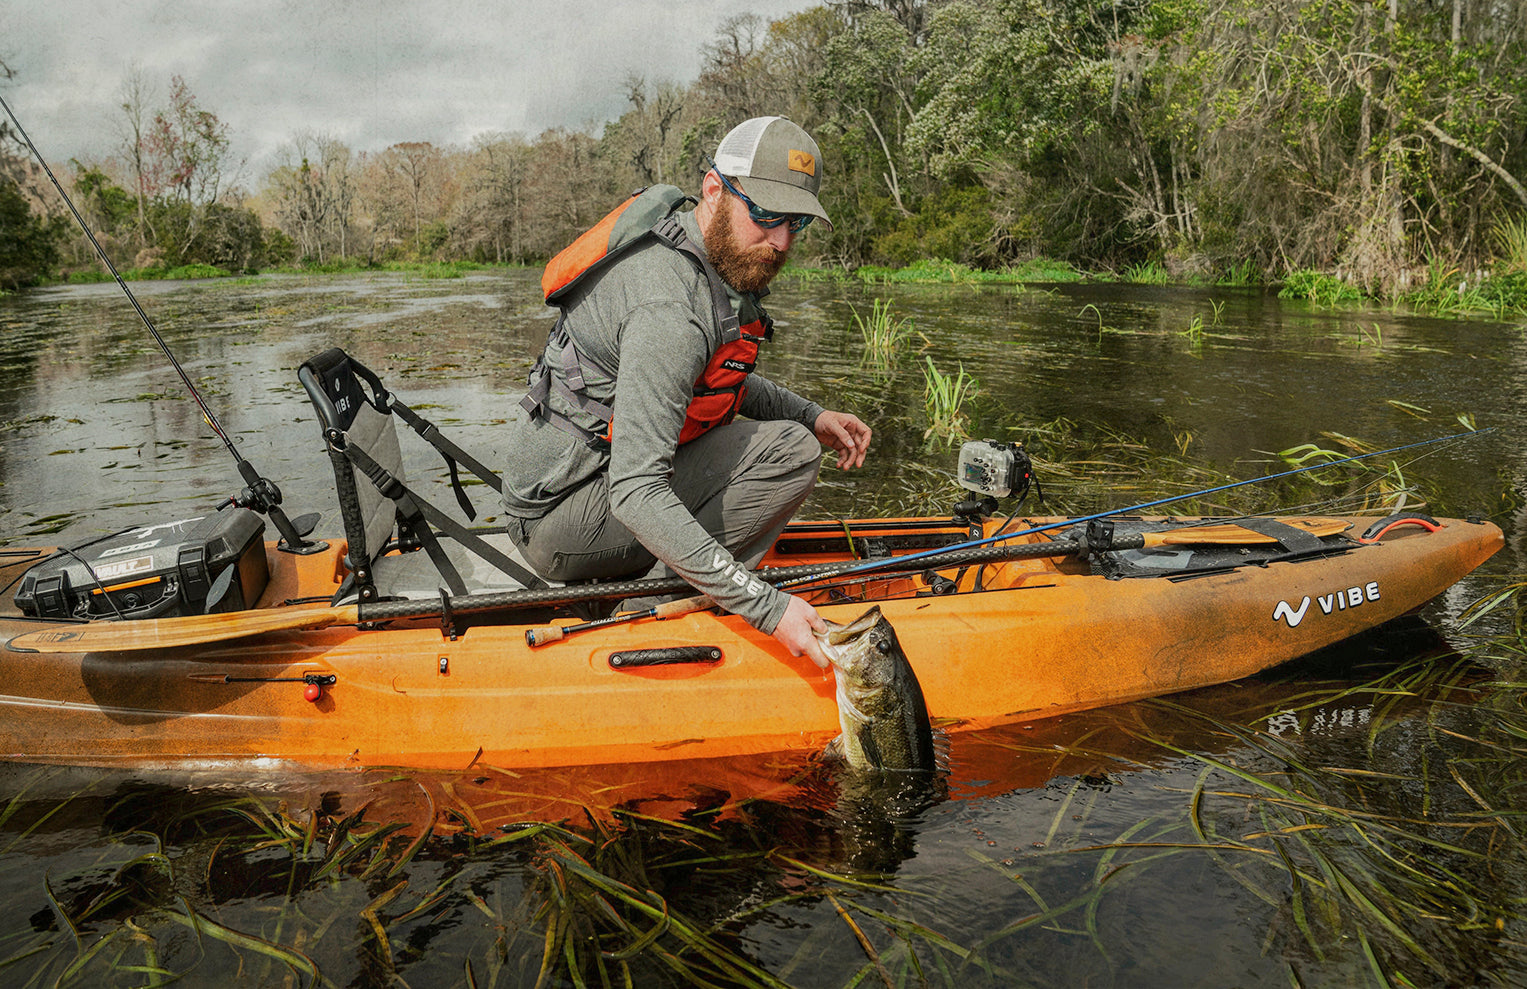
{"points": [[655, 477]]}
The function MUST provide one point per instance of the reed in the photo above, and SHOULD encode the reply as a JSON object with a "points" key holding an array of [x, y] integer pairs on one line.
{"points": [[883, 334], [944, 398], [1147, 273], [1510, 240], [1194, 333], [1319, 288]]}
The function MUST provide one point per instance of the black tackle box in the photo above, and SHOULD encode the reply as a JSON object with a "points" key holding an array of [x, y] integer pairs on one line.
{"points": [[158, 571]]}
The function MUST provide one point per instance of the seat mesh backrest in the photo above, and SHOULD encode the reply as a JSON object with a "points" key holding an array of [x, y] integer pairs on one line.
{"points": [[376, 434]]}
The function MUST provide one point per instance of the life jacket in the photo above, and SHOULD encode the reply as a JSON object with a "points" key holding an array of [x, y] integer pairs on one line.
{"points": [[718, 391]]}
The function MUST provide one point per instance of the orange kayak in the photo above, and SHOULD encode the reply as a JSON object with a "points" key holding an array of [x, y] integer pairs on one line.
{"points": [[1057, 625]]}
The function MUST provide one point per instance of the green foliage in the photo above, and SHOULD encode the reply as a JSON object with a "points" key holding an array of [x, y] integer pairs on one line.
{"points": [[955, 223], [1147, 273], [109, 205], [28, 242], [1318, 287], [1510, 238], [1232, 141], [214, 234]]}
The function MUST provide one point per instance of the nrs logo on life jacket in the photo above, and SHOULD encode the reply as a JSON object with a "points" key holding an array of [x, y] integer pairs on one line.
{"points": [[721, 386]]}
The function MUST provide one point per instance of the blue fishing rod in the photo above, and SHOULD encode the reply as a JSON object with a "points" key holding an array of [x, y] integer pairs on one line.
{"points": [[900, 562], [261, 494]]}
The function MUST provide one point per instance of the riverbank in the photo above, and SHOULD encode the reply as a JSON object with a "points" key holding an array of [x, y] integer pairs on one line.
{"points": [[1439, 290]]}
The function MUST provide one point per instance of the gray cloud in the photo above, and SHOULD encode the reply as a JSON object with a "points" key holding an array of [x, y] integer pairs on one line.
{"points": [[370, 73]]}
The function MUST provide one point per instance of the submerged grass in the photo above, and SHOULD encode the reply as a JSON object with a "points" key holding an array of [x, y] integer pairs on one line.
{"points": [[1392, 862]]}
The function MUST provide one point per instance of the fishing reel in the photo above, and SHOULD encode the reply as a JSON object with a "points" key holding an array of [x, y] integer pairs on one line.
{"points": [[993, 470]]}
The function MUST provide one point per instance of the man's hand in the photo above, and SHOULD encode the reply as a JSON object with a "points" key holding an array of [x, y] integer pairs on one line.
{"points": [[845, 433], [794, 631]]}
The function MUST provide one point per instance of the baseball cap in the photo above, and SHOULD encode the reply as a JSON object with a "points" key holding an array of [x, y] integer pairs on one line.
{"points": [[780, 161]]}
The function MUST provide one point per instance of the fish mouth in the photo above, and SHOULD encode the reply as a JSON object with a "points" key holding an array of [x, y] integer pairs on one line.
{"points": [[839, 634]]}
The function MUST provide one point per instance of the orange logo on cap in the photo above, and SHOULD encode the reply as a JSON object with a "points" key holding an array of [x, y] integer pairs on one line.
{"points": [[800, 161]]}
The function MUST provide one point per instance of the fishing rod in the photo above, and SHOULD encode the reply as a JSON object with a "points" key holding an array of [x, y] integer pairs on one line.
{"points": [[1143, 506], [261, 494]]}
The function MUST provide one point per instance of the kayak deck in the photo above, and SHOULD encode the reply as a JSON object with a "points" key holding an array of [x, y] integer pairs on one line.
{"points": [[992, 644]]}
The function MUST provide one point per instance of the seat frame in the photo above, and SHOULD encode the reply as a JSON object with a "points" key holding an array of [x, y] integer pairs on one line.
{"points": [[356, 413]]}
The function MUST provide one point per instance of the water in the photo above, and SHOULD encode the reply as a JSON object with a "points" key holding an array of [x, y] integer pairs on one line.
{"points": [[1350, 819]]}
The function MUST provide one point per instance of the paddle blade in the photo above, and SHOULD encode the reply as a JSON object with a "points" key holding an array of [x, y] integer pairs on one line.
{"points": [[1231, 534], [167, 633]]}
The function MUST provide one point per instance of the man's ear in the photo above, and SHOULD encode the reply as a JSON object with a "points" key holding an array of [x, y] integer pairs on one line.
{"points": [[711, 189]]}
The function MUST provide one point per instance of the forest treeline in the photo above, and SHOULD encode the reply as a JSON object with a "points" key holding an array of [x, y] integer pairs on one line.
{"points": [[1371, 141]]}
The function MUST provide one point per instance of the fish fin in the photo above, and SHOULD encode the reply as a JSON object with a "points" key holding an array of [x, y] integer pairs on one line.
{"points": [[834, 751]]}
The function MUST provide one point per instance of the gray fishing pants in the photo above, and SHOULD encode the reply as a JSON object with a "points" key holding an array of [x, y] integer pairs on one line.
{"points": [[742, 482]]}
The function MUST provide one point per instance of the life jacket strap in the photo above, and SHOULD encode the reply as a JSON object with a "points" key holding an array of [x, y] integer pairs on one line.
{"points": [[671, 232]]}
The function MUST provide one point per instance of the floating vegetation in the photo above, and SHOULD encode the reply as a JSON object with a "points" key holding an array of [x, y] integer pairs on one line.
{"points": [[940, 271]]}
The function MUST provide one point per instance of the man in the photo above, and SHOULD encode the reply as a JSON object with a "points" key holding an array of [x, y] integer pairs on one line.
{"points": [[654, 476]]}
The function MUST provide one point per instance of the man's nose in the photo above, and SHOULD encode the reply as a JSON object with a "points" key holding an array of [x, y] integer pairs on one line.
{"points": [[780, 238]]}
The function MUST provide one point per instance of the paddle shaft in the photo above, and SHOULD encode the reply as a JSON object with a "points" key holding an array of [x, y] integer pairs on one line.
{"points": [[162, 633]]}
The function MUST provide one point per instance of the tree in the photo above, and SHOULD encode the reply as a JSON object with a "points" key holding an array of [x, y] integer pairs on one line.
{"points": [[187, 149], [179, 157], [28, 242], [314, 193], [135, 99], [645, 137], [28, 238], [490, 218]]}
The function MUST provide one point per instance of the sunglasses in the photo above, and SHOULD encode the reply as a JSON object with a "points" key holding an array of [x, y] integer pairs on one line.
{"points": [[764, 218]]}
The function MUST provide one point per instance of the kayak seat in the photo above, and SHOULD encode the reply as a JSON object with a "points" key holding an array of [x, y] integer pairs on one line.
{"points": [[400, 545]]}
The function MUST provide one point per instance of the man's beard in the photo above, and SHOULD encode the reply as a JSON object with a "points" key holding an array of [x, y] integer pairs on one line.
{"points": [[746, 269]]}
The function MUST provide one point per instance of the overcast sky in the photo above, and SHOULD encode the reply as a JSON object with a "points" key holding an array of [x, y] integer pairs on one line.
{"points": [[369, 72]]}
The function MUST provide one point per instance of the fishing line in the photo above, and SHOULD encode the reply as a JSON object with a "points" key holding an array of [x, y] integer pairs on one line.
{"points": [[1082, 520], [262, 495], [121, 283]]}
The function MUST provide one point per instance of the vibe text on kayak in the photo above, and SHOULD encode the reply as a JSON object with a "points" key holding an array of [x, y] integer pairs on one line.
{"points": [[1352, 597]]}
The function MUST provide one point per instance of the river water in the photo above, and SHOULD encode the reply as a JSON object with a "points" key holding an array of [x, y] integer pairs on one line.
{"points": [[1351, 819]]}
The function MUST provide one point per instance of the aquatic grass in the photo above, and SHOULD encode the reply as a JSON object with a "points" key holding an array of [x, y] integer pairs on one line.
{"points": [[883, 334], [944, 398], [1242, 273], [1194, 333], [1449, 292], [941, 271]]}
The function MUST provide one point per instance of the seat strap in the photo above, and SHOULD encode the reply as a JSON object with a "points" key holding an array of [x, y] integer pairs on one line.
{"points": [[452, 455], [420, 516]]}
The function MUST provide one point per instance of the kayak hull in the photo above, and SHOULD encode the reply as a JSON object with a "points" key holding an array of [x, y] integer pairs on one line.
{"points": [[1039, 638]]}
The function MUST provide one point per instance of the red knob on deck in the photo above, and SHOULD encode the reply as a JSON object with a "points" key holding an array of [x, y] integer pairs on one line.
{"points": [[312, 692]]}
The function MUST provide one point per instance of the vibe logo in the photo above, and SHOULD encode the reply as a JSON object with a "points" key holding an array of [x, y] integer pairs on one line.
{"points": [[1351, 597]]}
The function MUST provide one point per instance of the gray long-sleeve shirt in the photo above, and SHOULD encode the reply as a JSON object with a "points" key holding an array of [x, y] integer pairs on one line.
{"points": [[648, 319]]}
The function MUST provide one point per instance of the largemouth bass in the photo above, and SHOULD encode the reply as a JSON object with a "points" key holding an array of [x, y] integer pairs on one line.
{"points": [[880, 703]]}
